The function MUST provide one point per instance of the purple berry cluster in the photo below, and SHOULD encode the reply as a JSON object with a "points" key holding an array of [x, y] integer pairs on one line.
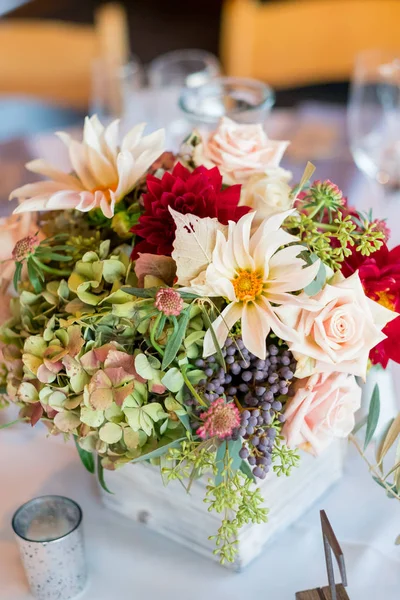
{"points": [[261, 387]]}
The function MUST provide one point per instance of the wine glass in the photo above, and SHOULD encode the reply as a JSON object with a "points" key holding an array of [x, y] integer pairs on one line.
{"points": [[374, 117]]}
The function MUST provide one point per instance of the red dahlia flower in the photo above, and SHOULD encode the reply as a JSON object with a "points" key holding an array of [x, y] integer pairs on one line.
{"points": [[199, 193], [380, 276]]}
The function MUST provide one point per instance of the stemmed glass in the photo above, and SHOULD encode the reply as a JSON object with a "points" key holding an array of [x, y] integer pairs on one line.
{"points": [[374, 117]]}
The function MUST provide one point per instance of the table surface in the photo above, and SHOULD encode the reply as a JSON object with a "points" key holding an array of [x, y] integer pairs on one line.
{"points": [[127, 561]]}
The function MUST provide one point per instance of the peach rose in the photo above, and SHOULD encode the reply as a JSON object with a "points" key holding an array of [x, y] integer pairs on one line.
{"points": [[338, 333], [322, 408], [239, 151], [267, 195]]}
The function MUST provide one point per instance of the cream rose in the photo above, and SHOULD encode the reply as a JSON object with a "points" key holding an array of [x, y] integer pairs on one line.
{"points": [[239, 151], [338, 334], [322, 408], [267, 194]]}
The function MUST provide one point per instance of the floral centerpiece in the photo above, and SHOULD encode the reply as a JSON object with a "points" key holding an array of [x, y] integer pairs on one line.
{"points": [[192, 310]]}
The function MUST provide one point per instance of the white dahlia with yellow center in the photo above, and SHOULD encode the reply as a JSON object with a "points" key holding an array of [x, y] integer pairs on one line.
{"points": [[102, 171], [255, 273]]}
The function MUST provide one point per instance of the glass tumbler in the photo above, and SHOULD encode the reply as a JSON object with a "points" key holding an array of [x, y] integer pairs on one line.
{"points": [[48, 530]]}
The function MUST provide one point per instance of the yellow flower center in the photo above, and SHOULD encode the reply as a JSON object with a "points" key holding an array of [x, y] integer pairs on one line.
{"points": [[247, 285], [387, 300]]}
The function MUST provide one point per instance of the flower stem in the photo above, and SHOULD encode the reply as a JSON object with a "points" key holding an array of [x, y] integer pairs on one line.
{"points": [[153, 330], [48, 269]]}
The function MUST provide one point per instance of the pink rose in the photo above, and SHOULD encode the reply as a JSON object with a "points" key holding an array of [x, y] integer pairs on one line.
{"points": [[338, 333], [239, 151], [322, 408]]}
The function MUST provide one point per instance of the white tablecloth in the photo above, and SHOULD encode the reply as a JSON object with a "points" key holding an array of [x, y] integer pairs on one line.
{"points": [[126, 561]]}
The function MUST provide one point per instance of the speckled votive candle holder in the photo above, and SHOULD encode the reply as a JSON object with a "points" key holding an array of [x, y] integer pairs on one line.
{"points": [[49, 534]]}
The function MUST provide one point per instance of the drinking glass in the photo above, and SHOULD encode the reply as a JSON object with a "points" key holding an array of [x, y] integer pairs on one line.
{"points": [[182, 68], [115, 87], [374, 117], [244, 100], [168, 75]]}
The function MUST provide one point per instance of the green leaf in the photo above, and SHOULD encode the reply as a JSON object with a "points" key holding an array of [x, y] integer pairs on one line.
{"points": [[85, 456], [234, 447], [160, 326], [33, 277], [17, 275], [140, 292], [246, 470], [214, 337], [315, 286], [184, 419], [373, 416], [397, 541], [392, 487], [175, 340], [389, 439], [220, 462], [163, 449], [100, 475]]}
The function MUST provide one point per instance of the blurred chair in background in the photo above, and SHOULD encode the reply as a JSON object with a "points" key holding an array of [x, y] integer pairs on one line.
{"points": [[290, 43], [52, 62]]}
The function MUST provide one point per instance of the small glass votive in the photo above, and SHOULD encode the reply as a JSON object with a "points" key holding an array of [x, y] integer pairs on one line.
{"points": [[241, 99], [48, 530]]}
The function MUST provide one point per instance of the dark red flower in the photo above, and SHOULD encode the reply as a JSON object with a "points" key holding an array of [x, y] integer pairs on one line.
{"points": [[380, 276], [199, 193]]}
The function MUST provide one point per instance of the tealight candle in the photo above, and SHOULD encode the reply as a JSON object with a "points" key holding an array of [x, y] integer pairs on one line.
{"points": [[49, 534]]}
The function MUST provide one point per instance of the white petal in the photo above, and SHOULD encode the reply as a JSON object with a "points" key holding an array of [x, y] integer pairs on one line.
{"points": [[86, 202], [107, 206], [111, 141], [33, 204], [255, 328], [91, 135], [221, 326], [241, 242], [78, 154], [381, 315], [63, 200], [126, 174], [103, 171], [154, 142], [132, 138], [286, 333], [42, 167], [39, 188]]}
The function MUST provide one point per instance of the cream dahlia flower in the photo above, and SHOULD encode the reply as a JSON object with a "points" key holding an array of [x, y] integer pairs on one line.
{"points": [[255, 276], [102, 171]]}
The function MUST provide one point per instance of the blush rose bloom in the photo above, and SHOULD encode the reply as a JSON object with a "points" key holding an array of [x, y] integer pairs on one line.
{"points": [[339, 334], [322, 409], [267, 195], [239, 151]]}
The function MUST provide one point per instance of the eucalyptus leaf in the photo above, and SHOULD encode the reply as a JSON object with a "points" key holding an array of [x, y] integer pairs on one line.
{"points": [[315, 286], [397, 473], [397, 541], [184, 419], [373, 416], [85, 456], [234, 447], [389, 439], [246, 470], [220, 462], [100, 475], [175, 340], [140, 292]]}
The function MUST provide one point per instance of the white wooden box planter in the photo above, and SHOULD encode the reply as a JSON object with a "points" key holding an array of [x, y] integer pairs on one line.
{"points": [[139, 494]]}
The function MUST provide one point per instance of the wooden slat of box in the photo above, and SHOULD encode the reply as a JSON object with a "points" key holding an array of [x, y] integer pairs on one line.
{"points": [[323, 594]]}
